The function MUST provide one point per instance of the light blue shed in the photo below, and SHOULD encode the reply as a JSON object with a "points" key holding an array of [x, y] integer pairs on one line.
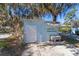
{"points": [[37, 30]]}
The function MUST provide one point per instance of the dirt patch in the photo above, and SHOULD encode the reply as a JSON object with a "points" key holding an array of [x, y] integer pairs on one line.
{"points": [[46, 50]]}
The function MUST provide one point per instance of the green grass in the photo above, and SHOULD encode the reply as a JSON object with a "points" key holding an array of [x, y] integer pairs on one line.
{"points": [[3, 44]]}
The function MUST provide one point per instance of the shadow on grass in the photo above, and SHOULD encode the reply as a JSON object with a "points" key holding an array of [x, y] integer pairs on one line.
{"points": [[12, 51]]}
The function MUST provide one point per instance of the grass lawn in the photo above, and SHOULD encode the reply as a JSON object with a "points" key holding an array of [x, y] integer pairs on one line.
{"points": [[3, 44]]}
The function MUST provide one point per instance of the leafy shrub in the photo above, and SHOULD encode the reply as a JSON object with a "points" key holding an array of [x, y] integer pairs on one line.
{"points": [[72, 41], [64, 29], [77, 32], [5, 30]]}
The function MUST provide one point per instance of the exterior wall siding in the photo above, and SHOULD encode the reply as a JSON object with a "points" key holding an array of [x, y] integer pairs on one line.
{"points": [[41, 27]]}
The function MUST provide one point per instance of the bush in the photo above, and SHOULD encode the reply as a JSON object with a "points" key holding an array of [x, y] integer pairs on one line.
{"points": [[65, 29], [72, 41], [77, 32]]}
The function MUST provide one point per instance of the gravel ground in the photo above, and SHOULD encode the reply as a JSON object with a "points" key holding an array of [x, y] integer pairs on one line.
{"points": [[46, 50]]}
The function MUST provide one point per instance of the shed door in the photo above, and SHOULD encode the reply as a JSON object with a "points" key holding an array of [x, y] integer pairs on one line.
{"points": [[30, 33]]}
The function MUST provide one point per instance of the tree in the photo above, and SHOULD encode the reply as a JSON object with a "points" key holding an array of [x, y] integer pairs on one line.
{"points": [[71, 14], [56, 9], [70, 17], [14, 19]]}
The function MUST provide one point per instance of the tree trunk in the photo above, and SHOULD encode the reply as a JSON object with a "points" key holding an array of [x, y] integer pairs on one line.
{"points": [[54, 18]]}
